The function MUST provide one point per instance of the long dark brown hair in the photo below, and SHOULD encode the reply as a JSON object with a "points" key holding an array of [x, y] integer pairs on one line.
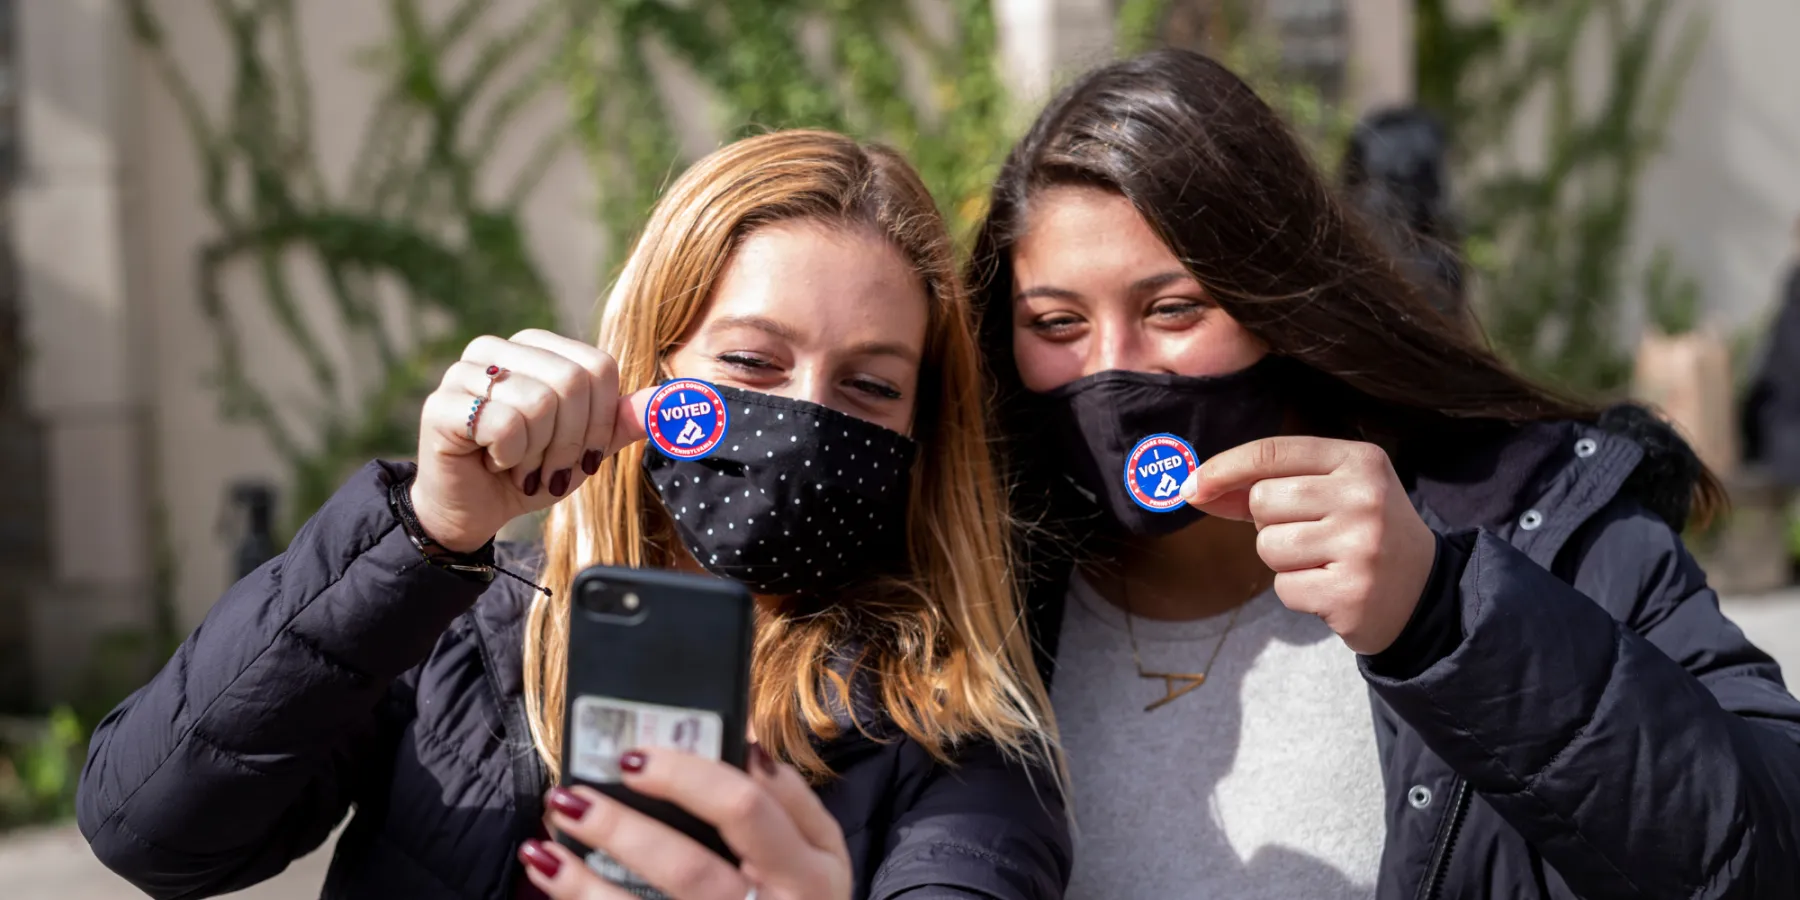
{"points": [[1231, 190]]}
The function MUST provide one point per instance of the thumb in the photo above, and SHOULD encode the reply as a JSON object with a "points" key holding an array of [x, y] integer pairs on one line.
{"points": [[628, 424], [1232, 504]]}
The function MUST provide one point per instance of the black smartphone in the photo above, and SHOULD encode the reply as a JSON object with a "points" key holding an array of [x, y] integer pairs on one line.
{"points": [[657, 659]]}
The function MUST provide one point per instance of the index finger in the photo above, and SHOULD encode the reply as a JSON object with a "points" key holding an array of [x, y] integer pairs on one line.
{"points": [[801, 802], [1235, 470]]}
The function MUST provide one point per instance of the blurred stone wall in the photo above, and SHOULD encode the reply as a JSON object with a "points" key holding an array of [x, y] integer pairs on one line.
{"points": [[24, 544], [1726, 192], [85, 353]]}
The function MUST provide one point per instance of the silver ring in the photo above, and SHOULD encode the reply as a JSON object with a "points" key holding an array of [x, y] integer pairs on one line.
{"points": [[752, 894]]}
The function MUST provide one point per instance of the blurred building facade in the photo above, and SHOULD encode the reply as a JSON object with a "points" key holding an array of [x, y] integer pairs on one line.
{"points": [[123, 460], [24, 545]]}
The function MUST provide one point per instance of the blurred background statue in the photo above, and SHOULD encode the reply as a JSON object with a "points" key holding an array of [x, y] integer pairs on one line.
{"points": [[1394, 172]]}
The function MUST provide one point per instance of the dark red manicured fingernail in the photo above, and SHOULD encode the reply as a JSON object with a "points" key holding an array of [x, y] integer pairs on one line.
{"points": [[761, 759], [531, 483], [633, 761], [533, 854], [559, 482], [568, 803], [590, 461]]}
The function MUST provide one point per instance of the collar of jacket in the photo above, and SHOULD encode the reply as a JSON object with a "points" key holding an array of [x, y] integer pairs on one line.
{"points": [[1539, 485], [1545, 482]]}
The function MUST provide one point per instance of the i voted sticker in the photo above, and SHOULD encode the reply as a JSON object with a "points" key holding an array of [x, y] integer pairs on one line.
{"points": [[686, 418], [1156, 468]]}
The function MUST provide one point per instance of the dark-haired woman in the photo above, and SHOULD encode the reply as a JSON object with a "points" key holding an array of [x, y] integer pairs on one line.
{"points": [[1386, 523]]}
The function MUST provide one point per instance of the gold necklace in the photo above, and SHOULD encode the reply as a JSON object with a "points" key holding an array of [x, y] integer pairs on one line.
{"points": [[1188, 680]]}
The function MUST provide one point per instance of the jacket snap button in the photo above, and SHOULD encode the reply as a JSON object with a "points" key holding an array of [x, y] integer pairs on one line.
{"points": [[1419, 796], [1586, 447], [1531, 520]]}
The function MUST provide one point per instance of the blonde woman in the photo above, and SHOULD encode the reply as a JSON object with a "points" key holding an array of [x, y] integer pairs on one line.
{"points": [[902, 733]]}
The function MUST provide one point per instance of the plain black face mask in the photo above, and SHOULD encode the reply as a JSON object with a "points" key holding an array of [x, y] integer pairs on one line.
{"points": [[796, 498], [1101, 418]]}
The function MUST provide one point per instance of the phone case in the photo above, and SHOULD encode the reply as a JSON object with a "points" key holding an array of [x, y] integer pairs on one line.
{"points": [[655, 675]]}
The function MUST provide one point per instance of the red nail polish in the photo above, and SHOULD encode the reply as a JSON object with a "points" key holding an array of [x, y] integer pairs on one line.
{"points": [[568, 803], [761, 759], [633, 761], [590, 461], [559, 482], [533, 854], [531, 483]]}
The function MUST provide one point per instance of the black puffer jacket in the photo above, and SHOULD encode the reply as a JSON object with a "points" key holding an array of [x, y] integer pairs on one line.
{"points": [[346, 673], [1568, 714]]}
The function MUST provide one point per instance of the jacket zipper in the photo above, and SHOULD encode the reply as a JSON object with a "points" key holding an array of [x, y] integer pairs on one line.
{"points": [[528, 773], [1439, 867]]}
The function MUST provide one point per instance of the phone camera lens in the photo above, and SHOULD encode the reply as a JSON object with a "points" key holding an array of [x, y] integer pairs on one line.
{"points": [[603, 599]]}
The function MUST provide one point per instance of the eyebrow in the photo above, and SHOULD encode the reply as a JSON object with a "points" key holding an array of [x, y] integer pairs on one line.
{"points": [[760, 323], [1137, 288], [1156, 282], [782, 331]]}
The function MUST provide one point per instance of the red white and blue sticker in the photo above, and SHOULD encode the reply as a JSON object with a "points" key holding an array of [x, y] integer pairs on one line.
{"points": [[1155, 470], [686, 419]]}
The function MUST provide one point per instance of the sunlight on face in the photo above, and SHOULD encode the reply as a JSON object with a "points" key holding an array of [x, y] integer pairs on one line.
{"points": [[1096, 289], [813, 311]]}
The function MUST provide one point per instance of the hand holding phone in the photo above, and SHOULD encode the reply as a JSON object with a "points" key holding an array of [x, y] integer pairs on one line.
{"points": [[655, 796], [657, 660], [792, 848]]}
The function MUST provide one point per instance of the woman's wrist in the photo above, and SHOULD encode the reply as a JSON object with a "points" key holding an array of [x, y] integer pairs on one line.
{"points": [[476, 564], [440, 530]]}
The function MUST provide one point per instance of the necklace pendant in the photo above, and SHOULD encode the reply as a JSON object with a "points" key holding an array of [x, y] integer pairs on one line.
{"points": [[1188, 682]]}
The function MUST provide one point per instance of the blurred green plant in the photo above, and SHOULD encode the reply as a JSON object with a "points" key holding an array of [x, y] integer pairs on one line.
{"points": [[1241, 34], [40, 763], [928, 86], [1548, 175], [41, 757], [1671, 298], [1546, 171], [1549, 235], [409, 215]]}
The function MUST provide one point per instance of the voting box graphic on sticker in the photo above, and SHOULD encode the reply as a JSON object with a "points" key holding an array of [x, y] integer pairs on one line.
{"points": [[1155, 470], [686, 419]]}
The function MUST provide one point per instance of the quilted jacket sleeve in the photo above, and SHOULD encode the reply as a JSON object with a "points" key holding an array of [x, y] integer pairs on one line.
{"points": [[1617, 719], [988, 828], [246, 749]]}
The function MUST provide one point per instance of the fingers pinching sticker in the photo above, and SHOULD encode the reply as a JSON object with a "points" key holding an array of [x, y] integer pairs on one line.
{"points": [[1155, 470], [686, 419]]}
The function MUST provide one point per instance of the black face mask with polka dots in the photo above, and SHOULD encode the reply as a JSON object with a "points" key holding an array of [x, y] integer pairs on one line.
{"points": [[797, 499]]}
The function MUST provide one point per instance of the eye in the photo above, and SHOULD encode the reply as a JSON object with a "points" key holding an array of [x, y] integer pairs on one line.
{"points": [[744, 361], [874, 388], [1177, 311], [1056, 324]]}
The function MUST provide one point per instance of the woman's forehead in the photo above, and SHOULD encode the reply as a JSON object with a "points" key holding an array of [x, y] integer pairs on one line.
{"points": [[807, 281]]}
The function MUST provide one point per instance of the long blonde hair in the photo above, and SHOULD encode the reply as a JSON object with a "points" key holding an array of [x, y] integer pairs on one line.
{"points": [[946, 649]]}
